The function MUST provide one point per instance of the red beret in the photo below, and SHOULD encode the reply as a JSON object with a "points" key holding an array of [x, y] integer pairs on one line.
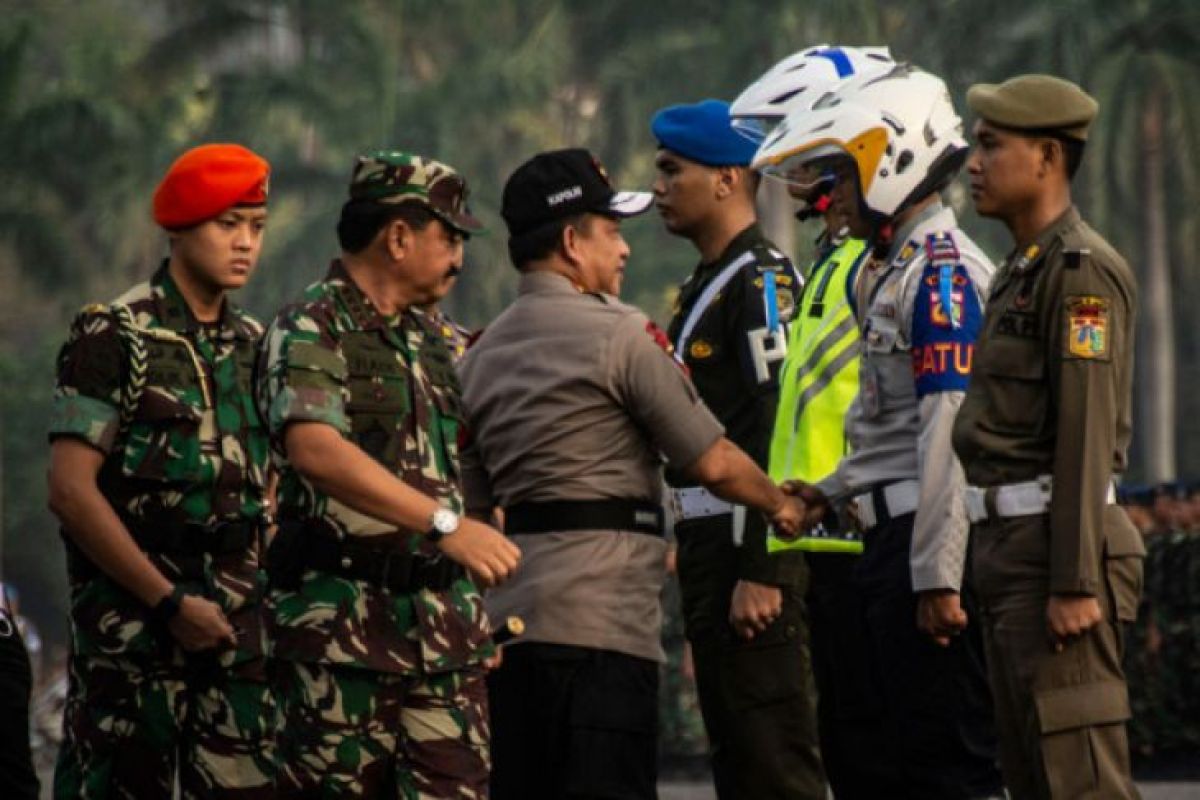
{"points": [[206, 180]]}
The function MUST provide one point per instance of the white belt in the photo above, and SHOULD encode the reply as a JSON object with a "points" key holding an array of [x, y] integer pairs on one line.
{"points": [[696, 502], [891, 501], [1016, 499]]}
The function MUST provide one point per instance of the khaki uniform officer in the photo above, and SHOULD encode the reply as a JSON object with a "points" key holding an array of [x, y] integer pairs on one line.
{"points": [[1042, 431], [571, 399]]}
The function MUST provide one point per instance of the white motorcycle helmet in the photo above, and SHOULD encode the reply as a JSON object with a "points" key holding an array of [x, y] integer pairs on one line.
{"points": [[799, 80], [899, 128]]}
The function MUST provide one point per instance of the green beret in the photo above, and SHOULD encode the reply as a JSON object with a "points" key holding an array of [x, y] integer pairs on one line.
{"points": [[1035, 102]]}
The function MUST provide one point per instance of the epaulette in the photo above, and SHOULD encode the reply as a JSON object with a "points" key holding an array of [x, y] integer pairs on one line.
{"points": [[1073, 259], [93, 308]]}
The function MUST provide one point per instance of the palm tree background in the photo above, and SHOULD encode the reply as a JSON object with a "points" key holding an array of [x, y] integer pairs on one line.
{"points": [[97, 98]]}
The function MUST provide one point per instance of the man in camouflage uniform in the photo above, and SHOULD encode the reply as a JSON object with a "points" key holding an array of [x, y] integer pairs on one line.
{"points": [[159, 473], [378, 630]]}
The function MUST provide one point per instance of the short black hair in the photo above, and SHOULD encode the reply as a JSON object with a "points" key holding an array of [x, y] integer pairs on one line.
{"points": [[362, 220], [1072, 154], [543, 240]]}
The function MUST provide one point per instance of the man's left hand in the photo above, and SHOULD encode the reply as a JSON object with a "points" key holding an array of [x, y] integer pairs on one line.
{"points": [[940, 614], [753, 607]]}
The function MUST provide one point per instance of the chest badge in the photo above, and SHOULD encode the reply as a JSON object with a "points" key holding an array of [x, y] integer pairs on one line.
{"points": [[700, 350]]}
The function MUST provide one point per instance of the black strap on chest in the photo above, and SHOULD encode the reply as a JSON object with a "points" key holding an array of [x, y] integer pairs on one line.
{"points": [[553, 516]]}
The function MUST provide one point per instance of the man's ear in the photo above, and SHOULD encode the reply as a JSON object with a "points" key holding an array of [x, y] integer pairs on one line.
{"points": [[727, 182], [397, 239], [568, 242], [1052, 156]]}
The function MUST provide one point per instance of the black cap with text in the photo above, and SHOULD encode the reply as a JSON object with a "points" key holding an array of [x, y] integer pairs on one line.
{"points": [[560, 184]]}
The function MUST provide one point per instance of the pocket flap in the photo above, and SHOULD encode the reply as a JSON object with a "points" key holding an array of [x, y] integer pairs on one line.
{"points": [[1012, 357], [158, 404], [313, 356], [1071, 707], [1121, 537]]}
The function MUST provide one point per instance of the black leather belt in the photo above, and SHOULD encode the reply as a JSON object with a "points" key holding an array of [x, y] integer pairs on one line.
{"points": [[641, 516], [191, 539], [376, 563]]}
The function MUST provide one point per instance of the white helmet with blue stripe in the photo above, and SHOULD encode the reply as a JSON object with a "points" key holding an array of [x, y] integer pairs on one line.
{"points": [[799, 80], [899, 129]]}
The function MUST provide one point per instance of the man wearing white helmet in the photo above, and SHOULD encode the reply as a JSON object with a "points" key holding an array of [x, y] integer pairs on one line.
{"points": [[891, 142], [817, 383]]}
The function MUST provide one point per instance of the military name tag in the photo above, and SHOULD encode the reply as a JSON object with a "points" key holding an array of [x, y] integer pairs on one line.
{"points": [[1087, 327]]}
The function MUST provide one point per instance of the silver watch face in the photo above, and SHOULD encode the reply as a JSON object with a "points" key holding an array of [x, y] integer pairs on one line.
{"points": [[444, 521]]}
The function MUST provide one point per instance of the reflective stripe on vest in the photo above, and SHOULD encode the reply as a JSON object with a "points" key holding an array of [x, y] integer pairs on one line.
{"points": [[819, 379]]}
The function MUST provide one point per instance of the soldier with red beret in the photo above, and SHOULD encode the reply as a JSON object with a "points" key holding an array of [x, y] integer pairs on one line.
{"points": [[159, 476]]}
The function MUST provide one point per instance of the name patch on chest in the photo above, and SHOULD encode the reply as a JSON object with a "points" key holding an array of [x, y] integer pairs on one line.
{"points": [[1015, 323]]}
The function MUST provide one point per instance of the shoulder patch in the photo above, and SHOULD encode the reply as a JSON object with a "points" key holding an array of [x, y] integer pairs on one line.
{"points": [[1087, 327], [944, 330]]}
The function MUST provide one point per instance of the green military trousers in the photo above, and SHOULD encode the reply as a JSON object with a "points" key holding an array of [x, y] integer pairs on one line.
{"points": [[356, 733], [1060, 715], [133, 727]]}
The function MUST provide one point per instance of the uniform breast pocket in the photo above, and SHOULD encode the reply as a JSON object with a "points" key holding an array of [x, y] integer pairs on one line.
{"points": [[1015, 371], [377, 407], [164, 438]]}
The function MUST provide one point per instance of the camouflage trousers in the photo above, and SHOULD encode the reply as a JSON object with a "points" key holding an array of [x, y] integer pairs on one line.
{"points": [[349, 732], [131, 729]]}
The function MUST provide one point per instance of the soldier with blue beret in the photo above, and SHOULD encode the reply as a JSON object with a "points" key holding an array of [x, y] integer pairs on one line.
{"points": [[743, 606]]}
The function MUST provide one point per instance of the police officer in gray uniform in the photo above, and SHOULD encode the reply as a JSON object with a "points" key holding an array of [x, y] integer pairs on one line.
{"points": [[572, 403], [891, 143]]}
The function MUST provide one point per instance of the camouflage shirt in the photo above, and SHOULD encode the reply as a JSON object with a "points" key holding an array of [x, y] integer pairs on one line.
{"points": [[387, 384], [194, 453]]}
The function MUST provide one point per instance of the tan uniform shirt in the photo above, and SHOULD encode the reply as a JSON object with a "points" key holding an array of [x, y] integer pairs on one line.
{"points": [[1050, 392], [569, 396]]}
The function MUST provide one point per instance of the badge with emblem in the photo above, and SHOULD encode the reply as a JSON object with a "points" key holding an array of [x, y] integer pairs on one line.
{"points": [[700, 350], [786, 303], [1087, 332]]}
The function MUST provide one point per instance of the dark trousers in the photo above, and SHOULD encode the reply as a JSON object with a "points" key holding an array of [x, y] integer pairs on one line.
{"points": [[935, 708], [849, 710], [573, 722], [757, 697], [16, 765]]}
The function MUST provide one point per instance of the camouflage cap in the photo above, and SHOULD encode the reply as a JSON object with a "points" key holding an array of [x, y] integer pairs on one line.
{"points": [[1041, 103], [391, 176]]}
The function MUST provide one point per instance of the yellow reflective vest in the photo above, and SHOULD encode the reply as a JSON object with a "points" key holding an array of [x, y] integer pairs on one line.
{"points": [[818, 381]]}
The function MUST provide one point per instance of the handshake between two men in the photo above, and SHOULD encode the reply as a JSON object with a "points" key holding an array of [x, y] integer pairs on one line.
{"points": [[939, 611]]}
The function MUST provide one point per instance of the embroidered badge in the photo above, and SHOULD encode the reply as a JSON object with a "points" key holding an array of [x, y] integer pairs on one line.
{"points": [[660, 337], [943, 342], [700, 349], [783, 279], [786, 304], [1087, 327], [937, 309]]}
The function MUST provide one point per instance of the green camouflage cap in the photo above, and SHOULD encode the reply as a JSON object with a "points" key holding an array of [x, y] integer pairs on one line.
{"points": [[391, 176], [1041, 103]]}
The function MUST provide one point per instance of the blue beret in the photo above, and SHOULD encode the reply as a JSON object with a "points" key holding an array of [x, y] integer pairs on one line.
{"points": [[703, 132]]}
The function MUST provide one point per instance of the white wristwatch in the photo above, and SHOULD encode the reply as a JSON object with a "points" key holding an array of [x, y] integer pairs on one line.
{"points": [[442, 523]]}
